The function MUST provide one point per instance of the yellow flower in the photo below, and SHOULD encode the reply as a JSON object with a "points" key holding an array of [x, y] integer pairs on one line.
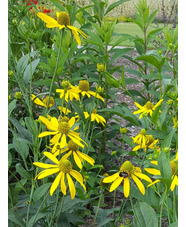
{"points": [[64, 167], [43, 102], [150, 143], [174, 166], [175, 122], [99, 89], [63, 21], [141, 138], [127, 170], [18, 95], [148, 108], [60, 129], [69, 93], [84, 90], [101, 67], [78, 156]]}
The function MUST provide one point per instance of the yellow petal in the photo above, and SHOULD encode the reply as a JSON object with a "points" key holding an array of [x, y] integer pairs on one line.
{"points": [[116, 183], [76, 35], [56, 138], [154, 162], [77, 160], [66, 155], [152, 171], [96, 95], [63, 140], [126, 187], [76, 139], [138, 105], [161, 100], [37, 101], [154, 182], [71, 186], [139, 184], [51, 157], [44, 166], [78, 177], [86, 157], [47, 172], [174, 183], [43, 134], [71, 122], [51, 22], [55, 183], [111, 178], [63, 186], [143, 176], [49, 125]]}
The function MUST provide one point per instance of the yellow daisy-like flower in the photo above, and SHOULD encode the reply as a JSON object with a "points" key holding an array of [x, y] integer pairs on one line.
{"points": [[127, 170], [64, 167], [70, 93], [60, 129], [174, 166], [150, 143], [148, 108], [175, 122], [84, 90], [141, 138], [78, 156], [63, 21]]}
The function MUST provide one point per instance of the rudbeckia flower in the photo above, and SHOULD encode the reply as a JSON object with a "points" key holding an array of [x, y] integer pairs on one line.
{"points": [[64, 169], [43, 102], [148, 108], [150, 144], [127, 170], [174, 166], [84, 90], [63, 21], [60, 129], [141, 138], [69, 93], [78, 156]]}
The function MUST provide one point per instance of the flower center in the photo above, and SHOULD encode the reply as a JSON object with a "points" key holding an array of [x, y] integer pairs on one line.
{"points": [[64, 119], [50, 102], [63, 127], [174, 166], [143, 132], [127, 166], [94, 111], [63, 18], [83, 85], [150, 139], [65, 166], [72, 146], [149, 105]]}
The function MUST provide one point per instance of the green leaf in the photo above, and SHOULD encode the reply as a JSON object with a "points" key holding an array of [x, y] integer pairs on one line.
{"points": [[29, 71], [78, 110], [158, 134], [40, 192], [115, 4], [9, 159], [32, 126], [145, 215], [22, 172], [21, 147], [151, 17], [155, 115], [153, 32], [111, 80], [11, 106], [119, 53], [168, 139], [174, 224], [150, 59], [58, 5], [15, 218], [164, 166]]}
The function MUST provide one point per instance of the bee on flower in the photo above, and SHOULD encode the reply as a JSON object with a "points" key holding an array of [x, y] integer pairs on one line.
{"points": [[126, 171]]}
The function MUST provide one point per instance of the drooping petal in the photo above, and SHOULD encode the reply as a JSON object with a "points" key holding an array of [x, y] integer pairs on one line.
{"points": [[63, 140], [71, 186], [50, 22], [78, 177], [47, 172], [51, 157], [86, 157], [49, 125], [116, 183], [55, 183], [154, 182], [63, 185], [77, 160], [143, 176], [96, 95], [126, 187], [56, 138], [66, 155], [111, 178], [75, 33], [138, 105], [139, 184], [37, 101], [153, 171], [82, 33], [157, 104], [44, 166], [174, 183], [154, 162], [71, 122], [76, 139], [43, 134]]}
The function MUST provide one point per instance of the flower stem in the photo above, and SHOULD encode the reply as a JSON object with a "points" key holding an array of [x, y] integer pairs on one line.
{"points": [[174, 205], [55, 70], [122, 148], [99, 202], [31, 195], [134, 210], [160, 84], [161, 209]]}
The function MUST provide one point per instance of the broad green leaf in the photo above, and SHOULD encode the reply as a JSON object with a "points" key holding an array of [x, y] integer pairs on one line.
{"points": [[32, 126], [78, 110], [40, 192], [168, 139], [119, 53], [174, 224], [21, 146], [111, 80], [29, 71], [115, 4], [20, 184], [155, 115], [145, 215], [11, 106], [153, 32], [145, 15], [151, 17], [150, 59], [9, 159], [131, 81], [22, 172], [15, 218], [157, 134], [58, 5], [164, 166]]}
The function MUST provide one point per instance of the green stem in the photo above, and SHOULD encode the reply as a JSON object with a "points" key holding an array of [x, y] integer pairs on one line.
{"points": [[28, 210], [62, 202], [161, 209], [174, 206], [55, 70], [99, 202], [114, 203], [134, 210], [122, 148], [120, 212], [53, 216], [168, 215], [160, 84]]}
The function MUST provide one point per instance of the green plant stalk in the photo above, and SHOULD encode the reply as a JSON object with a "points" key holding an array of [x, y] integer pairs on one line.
{"points": [[28, 210], [134, 210], [122, 148], [120, 212], [161, 209], [174, 206], [63, 101], [61, 208], [114, 203], [10, 195], [53, 216], [55, 70], [168, 215], [160, 84], [99, 202]]}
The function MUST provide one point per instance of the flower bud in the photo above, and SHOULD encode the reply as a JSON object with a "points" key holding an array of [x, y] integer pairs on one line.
{"points": [[166, 149], [123, 130], [101, 67], [99, 89], [159, 52], [170, 102], [113, 153], [65, 84], [18, 95]]}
